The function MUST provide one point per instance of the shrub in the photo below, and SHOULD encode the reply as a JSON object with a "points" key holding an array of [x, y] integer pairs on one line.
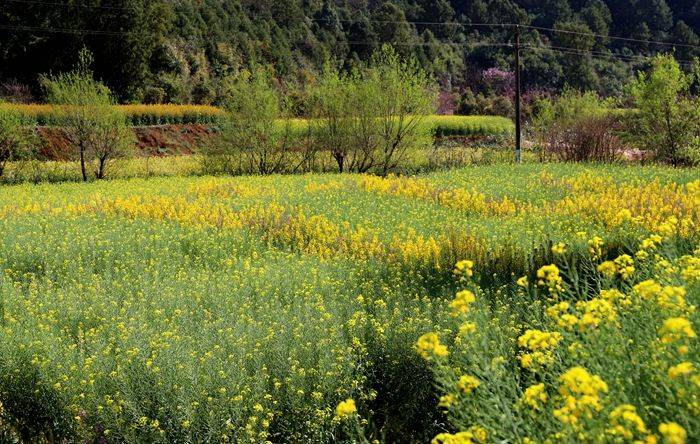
{"points": [[258, 134], [405, 95], [16, 140], [668, 120], [93, 124], [346, 121], [16, 92], [495, 105], [576, 127], [371, 117]]}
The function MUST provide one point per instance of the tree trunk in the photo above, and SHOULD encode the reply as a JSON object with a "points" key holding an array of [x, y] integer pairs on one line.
{"points": [[82, 163], [340, 159], [101, 168]]}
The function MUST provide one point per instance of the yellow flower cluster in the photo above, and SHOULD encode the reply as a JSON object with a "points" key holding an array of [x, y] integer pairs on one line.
{"points": [[539, 346], [676, 330], [346, 409], [626, 424], [462, 301], [559, 248], [623, 266], [474, 435], [594, 312], [535, 396], [456, 199], [429, 345], [580, 393], [595, 247], [464, 269], [673, 433], [548, 276], [467, 384]]}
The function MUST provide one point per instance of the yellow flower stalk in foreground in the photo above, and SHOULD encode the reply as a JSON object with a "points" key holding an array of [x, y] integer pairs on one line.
{"points": [[672, 433]]}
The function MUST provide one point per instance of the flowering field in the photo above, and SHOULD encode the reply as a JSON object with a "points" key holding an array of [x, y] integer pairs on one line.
{"points": [[142, 115], [504, 303]]}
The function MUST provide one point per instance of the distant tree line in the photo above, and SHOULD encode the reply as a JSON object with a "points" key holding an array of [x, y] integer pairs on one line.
{"points": [[185, 51]]}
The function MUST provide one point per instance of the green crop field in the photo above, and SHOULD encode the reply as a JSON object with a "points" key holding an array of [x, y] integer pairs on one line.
{"points": [[141, 115], [322, 308]]}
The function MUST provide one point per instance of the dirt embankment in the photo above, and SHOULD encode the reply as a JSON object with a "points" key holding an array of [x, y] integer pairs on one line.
{"points": [[161, 140]]}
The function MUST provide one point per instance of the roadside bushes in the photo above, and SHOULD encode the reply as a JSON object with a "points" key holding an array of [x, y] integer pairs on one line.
{"points": [[665, 123]]}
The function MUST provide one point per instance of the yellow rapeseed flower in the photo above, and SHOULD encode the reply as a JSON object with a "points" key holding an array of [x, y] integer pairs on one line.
{"points": [[468, 384], [607, 269], [461, 302], [626, 423], [674, 329], [595, 247], [346, 408], [429, 345], [682, 369], [464, 269], [534, 396], [559, 248], [548, 276], [672, 433]]}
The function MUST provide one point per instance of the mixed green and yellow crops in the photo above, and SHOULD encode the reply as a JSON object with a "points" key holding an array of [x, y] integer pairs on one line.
{"points": [[144, 115], [505, 303]]}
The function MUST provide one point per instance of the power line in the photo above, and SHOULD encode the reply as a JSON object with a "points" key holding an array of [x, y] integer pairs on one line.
{"points": [[612, 37], [62, 30], [417, 23], [420, 23], [457, 44], [69, 5], [515, 25], [599, 54]]}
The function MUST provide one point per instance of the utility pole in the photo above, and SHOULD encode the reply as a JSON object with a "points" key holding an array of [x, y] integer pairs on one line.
{"points": [[518, 116]]}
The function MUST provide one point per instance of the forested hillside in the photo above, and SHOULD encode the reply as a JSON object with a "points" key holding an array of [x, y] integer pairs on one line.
{"points": [[180, 50]]}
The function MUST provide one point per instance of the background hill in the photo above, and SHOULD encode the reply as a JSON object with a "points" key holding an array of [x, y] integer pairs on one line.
{"points": [[180, 50]]}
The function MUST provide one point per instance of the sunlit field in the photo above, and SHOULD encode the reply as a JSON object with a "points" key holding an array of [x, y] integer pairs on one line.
{"points": [[503, 303]]}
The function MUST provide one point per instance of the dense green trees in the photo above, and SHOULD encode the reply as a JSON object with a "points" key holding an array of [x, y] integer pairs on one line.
{"points": [[182, 51]]}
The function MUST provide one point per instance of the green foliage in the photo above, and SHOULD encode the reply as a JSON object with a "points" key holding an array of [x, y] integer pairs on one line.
{"points": [[17, 141], [258, 135], [372, 117], [575, 127], [345, 119], [568, 107], [668, 122], [182, 52], [406, 95], [96, 128]]}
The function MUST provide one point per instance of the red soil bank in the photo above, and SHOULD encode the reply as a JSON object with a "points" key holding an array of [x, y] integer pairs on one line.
{"points": [[159, 140]]}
